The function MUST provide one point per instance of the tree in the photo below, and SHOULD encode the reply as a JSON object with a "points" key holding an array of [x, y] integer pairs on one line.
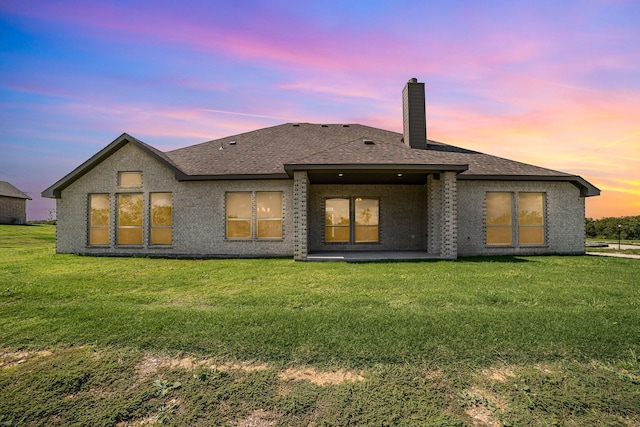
{"points": [[607, 228]]}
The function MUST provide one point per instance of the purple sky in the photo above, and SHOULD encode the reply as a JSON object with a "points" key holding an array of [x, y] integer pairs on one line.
{"points": [[555, 84]]}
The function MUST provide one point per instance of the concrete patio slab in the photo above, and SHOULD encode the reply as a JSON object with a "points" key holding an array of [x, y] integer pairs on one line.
{"points": [[371, 256]]}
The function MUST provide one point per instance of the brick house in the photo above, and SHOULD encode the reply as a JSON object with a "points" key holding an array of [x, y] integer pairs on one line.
{"points": [[318, 191], [13, 204]]}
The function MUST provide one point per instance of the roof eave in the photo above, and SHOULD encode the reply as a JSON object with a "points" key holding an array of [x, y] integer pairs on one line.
{"points": [[25, 197], [231, 177], [372, 167], [586, 188]]}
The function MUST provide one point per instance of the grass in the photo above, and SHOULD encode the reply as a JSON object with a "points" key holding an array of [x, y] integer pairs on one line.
{"points": [[513, 340], [616, 251]]}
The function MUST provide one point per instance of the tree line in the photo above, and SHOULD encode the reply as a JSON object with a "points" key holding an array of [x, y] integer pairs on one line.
{"points": [[607, 228]]}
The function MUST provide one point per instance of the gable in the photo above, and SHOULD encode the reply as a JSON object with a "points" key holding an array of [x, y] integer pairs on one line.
{"points": [[55, 190]]}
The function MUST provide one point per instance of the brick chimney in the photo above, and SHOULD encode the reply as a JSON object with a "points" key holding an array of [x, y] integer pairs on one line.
{"points": [[414, 119]]}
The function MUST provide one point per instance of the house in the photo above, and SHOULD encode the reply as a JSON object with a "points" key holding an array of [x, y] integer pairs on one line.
{"points": [[313, 191], [13, 204]]}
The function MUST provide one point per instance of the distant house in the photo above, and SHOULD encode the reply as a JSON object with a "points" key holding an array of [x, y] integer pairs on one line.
{"points": [[13, 204], [318, 191]]}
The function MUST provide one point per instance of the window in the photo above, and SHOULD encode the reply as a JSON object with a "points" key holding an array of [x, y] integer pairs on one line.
{"points": [[99, 219], [356, 222], [246, 220], [238, 215], [367, 213], [161, 218], [337, 227], [500, 218], [130, 207], [130, 179], [269, 215], [531, 218]]}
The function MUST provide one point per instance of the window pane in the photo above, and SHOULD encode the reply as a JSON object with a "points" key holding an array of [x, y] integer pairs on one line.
{"points": [[337, 234], [499, 208], [130, 209], [531, 235], [239, 229], [269, 229], [130, 236], [498, 235], [531, 209], [130, 179], [269, 213], [161, 236], [161, 209], [366, 234], [99, 210], [161, 218], [99, 236], [130, 219], [99, 219], [239, 205], [239, 215], [269, 204], [337, 212], [367, 211]]}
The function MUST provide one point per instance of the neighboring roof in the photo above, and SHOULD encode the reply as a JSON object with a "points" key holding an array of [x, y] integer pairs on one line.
{"points": [[276, 152], [8, 190]]}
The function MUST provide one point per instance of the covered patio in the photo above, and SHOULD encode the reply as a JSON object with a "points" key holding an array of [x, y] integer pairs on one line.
{"points": [[414, 209]]}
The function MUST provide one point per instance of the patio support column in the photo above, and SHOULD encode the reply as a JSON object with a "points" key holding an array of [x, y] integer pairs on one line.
{"points": [[434, 214], [300, 200], [449, 242]]}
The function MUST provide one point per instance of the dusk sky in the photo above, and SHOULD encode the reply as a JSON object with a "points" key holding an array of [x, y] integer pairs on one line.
{"points": [[551, 83]]}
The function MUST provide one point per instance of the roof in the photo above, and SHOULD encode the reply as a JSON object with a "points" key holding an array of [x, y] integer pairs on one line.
{"points": [[8, 190], [267, 151], [276, 152]]}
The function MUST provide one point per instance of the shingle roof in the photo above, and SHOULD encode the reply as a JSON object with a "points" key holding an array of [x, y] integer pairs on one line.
{"points": [[276, 151], [267, 151], [8, 190]]}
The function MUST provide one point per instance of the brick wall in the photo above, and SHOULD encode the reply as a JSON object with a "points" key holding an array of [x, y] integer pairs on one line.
{"points": [[564, 217], [199, 225], [13, 210], [446, 217]]}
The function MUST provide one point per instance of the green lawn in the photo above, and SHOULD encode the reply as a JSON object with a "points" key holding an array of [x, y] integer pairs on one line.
{"points": [[126, 341]]}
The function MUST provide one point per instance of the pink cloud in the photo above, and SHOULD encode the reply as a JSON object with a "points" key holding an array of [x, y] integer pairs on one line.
{"points": [[593, 134], [523, 87], [287, 42]]}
